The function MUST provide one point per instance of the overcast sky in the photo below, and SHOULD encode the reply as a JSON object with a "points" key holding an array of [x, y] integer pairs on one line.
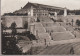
{"points": [[12, 5]]}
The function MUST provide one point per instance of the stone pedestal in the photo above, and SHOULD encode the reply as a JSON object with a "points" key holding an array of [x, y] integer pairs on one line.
{"points": [[32, 28], [31, 12], [55, 14], [65, 12]]}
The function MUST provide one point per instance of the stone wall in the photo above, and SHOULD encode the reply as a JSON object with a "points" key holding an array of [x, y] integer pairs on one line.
{"points": [[74, 17], [69, 18], [20, 20]]}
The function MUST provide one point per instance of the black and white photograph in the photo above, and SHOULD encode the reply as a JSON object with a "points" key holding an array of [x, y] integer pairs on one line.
{"points": [[40, 27]]}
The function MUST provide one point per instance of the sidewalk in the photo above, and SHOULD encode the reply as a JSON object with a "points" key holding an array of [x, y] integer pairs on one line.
{"points": [[65, 41], [56, 42]]}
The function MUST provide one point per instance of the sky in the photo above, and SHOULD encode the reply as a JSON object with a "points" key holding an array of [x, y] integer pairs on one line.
{"points": [[12, 5]]}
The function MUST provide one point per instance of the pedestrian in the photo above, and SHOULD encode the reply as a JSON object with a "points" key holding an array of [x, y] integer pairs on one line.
{"points": [[75, 34], [50, 33], [45, 41], [72, 51]]}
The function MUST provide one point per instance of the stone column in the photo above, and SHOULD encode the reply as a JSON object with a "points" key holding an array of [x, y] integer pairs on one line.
{"points": [[31, 11], [28, 19], [37, 34], [55, 13], [65, 11], [32, 28]]}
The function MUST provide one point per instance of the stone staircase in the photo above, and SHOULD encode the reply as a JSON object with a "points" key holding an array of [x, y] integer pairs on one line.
{"points": [[47, 29], [59, 30], [43, 36], [45, 19], [57, 36], [41, 32]]}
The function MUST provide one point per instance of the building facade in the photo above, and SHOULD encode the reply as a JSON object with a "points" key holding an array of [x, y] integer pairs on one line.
{"points": [[35, 9], [32, 12]]}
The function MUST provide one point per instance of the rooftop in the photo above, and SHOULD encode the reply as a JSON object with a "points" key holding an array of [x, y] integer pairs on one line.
{"points": [[42, 5]]}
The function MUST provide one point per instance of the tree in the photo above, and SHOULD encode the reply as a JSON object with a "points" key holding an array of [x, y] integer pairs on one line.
{"points": [[13, 25], [26, 25], [10, 47], [53, 20], [13, 28], [78, 22], [3, 27]]}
